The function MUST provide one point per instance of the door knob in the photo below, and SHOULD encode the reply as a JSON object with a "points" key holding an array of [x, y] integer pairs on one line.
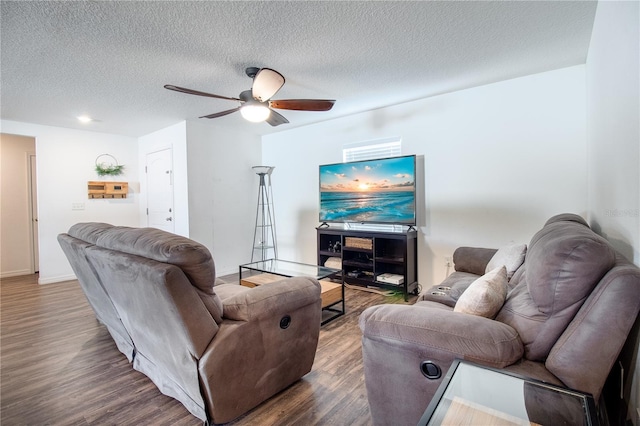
{"points": [[169, 219]]}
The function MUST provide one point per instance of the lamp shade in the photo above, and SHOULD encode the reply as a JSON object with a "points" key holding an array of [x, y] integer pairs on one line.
{"points": [[255, 112], [263, 170]]}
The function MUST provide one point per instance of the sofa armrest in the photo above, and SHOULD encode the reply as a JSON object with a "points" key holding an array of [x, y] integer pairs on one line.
{"points": [[472, 259], [462, 335], [398, 339], [272, 299], [449, 291], [256, 354]]}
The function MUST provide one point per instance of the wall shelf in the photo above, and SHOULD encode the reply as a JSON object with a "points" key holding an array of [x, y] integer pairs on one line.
{"points": [[100, 189]]}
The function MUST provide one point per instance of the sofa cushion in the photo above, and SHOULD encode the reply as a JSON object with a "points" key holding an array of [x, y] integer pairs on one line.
{"points": [[485, 296], [89, 232], [602, 323], [566, 217], [74, 249], [192, 258], [511, 256], [564, 262]]}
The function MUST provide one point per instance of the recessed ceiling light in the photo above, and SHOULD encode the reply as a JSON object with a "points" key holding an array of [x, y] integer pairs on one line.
{"points": [[84, 119]]}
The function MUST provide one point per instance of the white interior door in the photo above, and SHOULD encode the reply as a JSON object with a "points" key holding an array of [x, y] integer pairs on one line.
{"points": [[34, 213], [159, 171]]}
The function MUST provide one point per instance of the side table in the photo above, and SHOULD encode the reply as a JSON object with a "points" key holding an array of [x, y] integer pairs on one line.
{"points": [[471, 394]]}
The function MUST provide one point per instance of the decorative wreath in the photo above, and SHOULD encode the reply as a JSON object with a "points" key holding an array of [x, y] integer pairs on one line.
{"points": [[111, 168]]}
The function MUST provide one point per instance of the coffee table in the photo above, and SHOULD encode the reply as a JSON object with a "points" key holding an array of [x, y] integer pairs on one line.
{"points": [[265, 271], [473, 394]]}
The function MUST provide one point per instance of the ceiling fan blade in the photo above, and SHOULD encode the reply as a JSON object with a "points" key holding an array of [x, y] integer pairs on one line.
{"points": [[195, 92], [266, 83], [303, 104], [221, 113], [276, 119]]}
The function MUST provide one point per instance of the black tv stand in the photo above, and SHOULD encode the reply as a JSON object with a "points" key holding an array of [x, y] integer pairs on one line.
{"points": [[366, 254]]}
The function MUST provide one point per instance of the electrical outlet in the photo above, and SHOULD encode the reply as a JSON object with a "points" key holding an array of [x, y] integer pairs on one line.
{"points": [[77, 206]]}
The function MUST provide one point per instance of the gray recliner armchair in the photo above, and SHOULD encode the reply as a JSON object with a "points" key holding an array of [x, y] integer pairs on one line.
{"points": [[220, 350], [567, 314]]}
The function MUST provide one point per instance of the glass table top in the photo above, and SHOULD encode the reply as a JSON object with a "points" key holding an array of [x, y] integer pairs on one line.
{"points": [[290, 269], [478, 395]]}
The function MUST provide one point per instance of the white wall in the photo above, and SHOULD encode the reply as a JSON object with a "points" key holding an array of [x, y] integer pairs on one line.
{"points": [[174, 137], [15, 205], [215, 196], [223, 192], [613, 91], [614, 131], [498, 160], [65, 163]]}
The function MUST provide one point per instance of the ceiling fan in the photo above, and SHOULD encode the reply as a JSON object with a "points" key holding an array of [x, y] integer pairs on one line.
{"points": [[255, 104]]}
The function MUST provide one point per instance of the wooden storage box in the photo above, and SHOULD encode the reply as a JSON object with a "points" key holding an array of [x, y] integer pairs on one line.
{"points": [[330, 292], [361, 243], [259, 279], [100, 189]]}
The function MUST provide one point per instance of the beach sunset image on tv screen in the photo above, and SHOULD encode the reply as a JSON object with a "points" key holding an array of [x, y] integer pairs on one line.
{"points": [[372, 191]]}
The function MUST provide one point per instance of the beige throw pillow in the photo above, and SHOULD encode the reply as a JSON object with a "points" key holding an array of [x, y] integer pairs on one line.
{"points": [[485, 296], [511, 256]]}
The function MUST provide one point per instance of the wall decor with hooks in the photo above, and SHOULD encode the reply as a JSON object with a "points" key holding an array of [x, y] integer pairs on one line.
{"points": [[97, 189], [107, 165]]}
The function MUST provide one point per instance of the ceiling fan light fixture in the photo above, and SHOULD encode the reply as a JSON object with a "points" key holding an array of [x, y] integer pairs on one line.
{"points": [[255, 112], [266, 83], [256, 104]]}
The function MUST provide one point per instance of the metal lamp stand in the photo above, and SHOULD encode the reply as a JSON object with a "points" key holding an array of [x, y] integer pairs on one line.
{"points": [[264, 235]]}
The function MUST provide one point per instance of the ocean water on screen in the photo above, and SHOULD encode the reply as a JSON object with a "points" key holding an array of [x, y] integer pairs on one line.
{"points": [[378, 207]]}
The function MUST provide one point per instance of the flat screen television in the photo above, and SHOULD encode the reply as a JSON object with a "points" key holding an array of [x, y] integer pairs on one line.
{"points": [[381, 191]]}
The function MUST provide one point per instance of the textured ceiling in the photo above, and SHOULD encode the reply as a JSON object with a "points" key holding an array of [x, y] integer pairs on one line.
{"points": [[110, 59]]}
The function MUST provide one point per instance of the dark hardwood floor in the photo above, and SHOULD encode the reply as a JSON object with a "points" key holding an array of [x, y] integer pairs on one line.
{"points": [[59, 366]]}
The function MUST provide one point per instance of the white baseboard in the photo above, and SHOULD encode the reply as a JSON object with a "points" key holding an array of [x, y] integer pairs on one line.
{"points": [[10, 274], [227, 271], [58, 279]]}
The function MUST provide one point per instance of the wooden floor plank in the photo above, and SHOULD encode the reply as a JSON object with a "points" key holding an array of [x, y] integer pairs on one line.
{"points": [[59, 366]]}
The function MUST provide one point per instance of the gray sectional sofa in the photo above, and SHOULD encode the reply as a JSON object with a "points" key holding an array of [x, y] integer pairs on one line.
{"points": [[567, 313], [219, 350]]}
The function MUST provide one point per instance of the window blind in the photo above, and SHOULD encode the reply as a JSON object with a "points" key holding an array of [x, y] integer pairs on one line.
{"points": [[384, 148]]}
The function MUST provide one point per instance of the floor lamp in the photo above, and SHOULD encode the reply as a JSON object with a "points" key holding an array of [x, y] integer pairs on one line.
{"points": [[264, 234]]}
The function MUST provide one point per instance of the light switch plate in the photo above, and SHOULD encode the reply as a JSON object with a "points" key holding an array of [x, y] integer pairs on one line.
{"points": [[77, 206]]}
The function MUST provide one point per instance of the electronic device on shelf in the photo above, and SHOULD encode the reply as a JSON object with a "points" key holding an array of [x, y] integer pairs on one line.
{"points": [[391, 278]]}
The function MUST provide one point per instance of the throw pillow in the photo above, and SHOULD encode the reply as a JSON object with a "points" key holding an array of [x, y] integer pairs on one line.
{"points": [[485, 296], [511, 256], [333, 262]]}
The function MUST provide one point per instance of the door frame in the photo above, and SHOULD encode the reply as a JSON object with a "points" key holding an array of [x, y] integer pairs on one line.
{"points": [[146, 174], [34, 232]]}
